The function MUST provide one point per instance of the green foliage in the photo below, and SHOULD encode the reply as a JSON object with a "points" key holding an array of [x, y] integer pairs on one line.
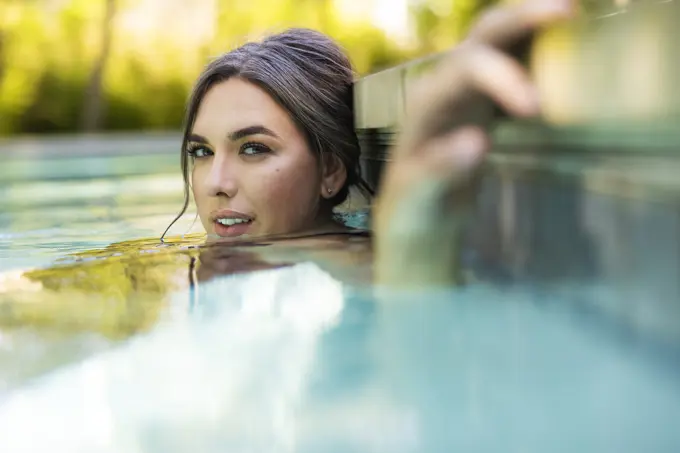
{"points": [[439, 23], [49, 50]]}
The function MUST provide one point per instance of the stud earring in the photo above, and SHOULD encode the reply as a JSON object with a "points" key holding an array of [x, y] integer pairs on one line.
{"points": [[330, 191]]}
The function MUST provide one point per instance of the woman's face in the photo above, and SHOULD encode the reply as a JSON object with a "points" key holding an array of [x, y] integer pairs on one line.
{"points": [[253, 173]]}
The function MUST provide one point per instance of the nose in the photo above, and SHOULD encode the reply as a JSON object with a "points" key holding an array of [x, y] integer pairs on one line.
{"points": [[221, 178]]}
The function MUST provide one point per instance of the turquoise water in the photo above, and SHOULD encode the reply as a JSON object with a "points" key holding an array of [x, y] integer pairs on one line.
{"points": [[56, 203], [293, 360], [296, 359]]}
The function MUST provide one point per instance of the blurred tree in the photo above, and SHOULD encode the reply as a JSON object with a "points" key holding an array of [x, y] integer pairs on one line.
{"points": [[93, 107], [241, 20], [68, 65], [61, 58], [439, 23], [20, 59]]}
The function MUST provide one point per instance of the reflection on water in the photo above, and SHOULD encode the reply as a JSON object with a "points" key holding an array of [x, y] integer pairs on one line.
{"points": [[64, 201], [127, 288], [291, 359]]}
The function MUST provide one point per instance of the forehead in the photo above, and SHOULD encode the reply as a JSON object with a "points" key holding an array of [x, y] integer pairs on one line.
{"points": [[237, 103]]}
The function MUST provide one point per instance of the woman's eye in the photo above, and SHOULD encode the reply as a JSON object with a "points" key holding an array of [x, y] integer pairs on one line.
{"points": [[254, 149], [199, 151]]}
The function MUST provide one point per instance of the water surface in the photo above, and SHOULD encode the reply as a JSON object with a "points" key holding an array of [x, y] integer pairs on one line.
{"points": [[82, 194], [280, 346]]}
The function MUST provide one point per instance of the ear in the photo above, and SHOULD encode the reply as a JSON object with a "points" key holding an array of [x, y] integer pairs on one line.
{"points": [[333, 176]]}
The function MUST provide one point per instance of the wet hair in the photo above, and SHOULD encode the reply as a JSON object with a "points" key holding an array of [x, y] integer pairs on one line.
{"points": [[308, 75]]}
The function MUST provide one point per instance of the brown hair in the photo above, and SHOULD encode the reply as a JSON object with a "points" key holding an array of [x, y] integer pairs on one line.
{"points": [[311, 78]]}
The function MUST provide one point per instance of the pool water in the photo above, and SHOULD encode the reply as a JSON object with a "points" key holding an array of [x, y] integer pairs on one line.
{"points": [[286, 346], [86, 196], [60, 197], [291, 359]]}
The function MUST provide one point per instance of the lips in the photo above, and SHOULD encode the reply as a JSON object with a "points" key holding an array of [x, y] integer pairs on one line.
{"points": [[229, 223]]}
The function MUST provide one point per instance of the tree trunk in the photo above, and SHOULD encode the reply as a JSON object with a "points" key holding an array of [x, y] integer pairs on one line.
{"points": [[93, 105]]}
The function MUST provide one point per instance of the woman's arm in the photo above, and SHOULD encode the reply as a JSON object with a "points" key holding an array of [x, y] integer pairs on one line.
{"points": [[429, 186]]}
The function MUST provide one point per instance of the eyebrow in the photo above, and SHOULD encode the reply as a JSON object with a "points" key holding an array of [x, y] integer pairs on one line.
{"points": [[197, 139], [251, 130], [238, 134]]}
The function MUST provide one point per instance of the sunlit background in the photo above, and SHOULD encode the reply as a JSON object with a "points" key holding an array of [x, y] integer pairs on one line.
{"points": [[85, 65]]}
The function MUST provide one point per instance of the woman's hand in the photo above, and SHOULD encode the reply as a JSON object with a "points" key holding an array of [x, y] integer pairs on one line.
{"points": [[428, 186]]}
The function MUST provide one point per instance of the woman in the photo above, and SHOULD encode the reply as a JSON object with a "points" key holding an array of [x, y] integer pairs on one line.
{"points": [[269, 145], [270, 138]]}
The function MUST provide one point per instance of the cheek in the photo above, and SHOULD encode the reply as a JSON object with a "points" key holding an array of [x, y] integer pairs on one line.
{"points": [[289, 192]]}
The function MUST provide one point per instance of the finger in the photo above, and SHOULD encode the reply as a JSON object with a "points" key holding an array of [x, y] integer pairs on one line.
{"points": [[503, 80], [455, 154], [444, 99], [503, 25]]}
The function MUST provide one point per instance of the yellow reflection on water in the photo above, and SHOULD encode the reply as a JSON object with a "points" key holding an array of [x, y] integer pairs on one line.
{"points": [[117, 291], [125, 288]]}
